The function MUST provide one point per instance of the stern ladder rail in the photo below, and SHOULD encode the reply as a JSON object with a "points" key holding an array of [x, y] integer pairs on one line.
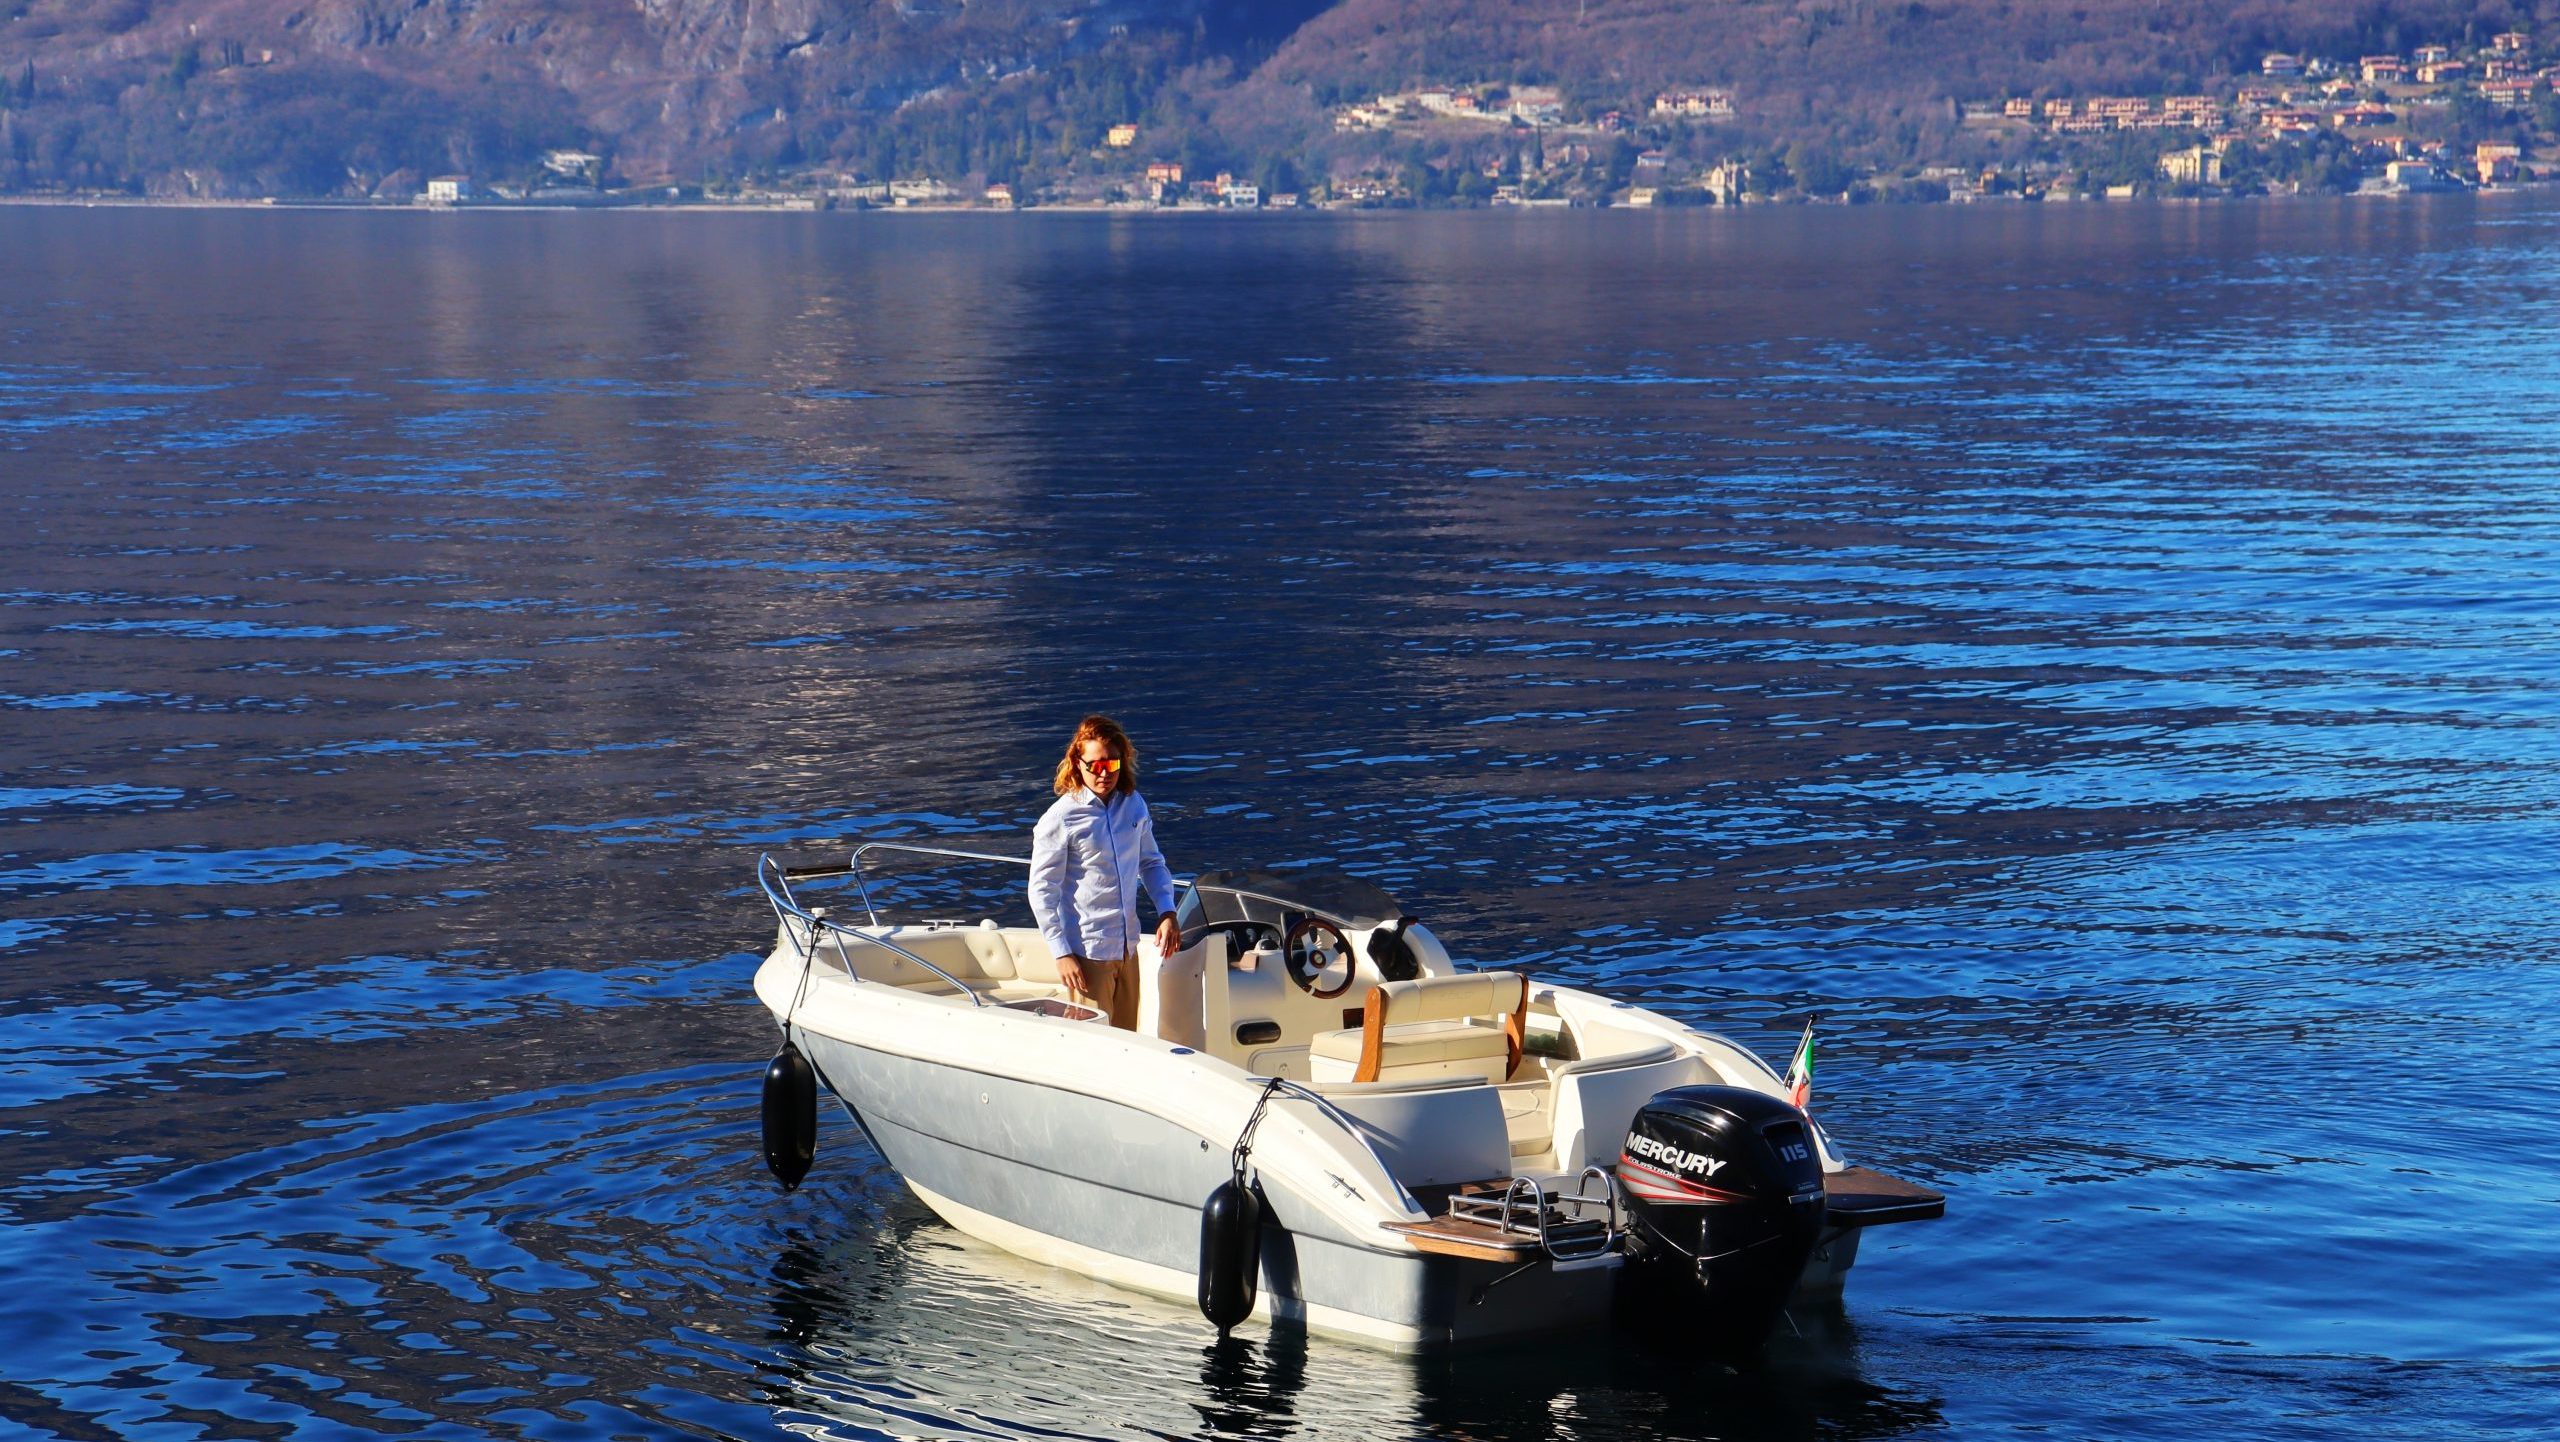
{"points": [[1612, 1227], [1526, 1210]]}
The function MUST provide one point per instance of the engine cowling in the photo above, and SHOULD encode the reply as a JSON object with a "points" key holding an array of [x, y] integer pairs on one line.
{"points": [[1724, 1189]]}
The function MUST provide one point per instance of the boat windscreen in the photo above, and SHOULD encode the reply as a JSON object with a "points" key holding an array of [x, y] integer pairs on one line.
{"points": [[1344, 899]]}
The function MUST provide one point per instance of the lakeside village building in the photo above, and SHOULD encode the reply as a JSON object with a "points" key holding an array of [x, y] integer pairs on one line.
{"points": [[2370, 93], [1165, 187], [1536, 106], [2495, 162], [2367, 95]]}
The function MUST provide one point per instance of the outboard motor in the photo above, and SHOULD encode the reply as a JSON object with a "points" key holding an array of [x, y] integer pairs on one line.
{"points": [[1724, 1192]]}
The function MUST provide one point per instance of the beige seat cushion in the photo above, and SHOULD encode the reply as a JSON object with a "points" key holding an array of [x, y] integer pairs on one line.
{"points": [[887, 961], [1466, 1026], [1451, 1049], [1031, 959], [1450, 998]]}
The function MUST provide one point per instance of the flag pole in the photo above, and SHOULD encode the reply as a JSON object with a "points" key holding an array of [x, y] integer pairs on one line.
{"points": [[1799, 1078]]}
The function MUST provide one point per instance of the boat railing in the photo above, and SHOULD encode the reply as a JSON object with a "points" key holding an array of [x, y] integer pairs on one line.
{"points": [[1561, 1222], [862, 885], [852, 867], [804, 926], [776, 881], [1351, 1127]]}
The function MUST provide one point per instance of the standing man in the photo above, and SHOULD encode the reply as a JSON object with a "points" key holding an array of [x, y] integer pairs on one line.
{"points": [[1090, 856]]}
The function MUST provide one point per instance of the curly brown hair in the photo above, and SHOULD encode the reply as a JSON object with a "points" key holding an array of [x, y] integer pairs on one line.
{"points": [[1107, 731]]}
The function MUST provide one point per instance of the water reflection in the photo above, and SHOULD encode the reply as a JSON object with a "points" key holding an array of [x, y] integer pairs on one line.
{"points": [[1811, 1381], [2096, 658], [908, 1329], [1250, 1387]]}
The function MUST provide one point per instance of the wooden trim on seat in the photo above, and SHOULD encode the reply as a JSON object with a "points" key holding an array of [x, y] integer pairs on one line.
{"points": [[1515, 1030], [1373, 1036]]}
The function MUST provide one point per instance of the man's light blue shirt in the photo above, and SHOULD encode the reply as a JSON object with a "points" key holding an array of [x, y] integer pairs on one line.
{"points": [[1089, 858]]}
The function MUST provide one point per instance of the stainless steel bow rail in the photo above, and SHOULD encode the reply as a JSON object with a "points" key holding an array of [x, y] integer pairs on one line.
{"points": [[782, 876], [775, 879], [804, 926], [853, 867]]}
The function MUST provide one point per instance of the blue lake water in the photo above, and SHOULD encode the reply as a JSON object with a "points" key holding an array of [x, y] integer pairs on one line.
{"points": [[2103, 661]]}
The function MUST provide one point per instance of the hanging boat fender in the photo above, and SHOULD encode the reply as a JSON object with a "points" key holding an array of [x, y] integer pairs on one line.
{"points": [[1231, 1232], [1230, 1254], [790, 1116]]}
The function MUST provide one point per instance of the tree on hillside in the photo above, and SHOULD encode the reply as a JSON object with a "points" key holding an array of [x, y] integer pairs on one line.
{"points": [[1817, 169]]}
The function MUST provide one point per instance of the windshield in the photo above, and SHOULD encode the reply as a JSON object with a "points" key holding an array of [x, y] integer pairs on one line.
{"points": [[1278, 896]]}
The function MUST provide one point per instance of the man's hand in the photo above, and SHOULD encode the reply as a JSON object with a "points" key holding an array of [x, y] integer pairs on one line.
{"points": [[1071, 971], [1168, 935]]}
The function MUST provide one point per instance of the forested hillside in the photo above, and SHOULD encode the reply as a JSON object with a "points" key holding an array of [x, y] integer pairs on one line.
{"points": [[358, 97]]}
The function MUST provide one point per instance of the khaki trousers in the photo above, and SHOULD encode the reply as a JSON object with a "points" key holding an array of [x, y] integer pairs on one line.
{"points": [[1115, 991]]}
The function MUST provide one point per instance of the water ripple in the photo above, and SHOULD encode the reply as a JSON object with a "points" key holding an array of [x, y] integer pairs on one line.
{"points": [[2096, 660]]}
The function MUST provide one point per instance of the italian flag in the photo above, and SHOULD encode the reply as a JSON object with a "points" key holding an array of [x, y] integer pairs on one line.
{"points": [[1800, 1071]]}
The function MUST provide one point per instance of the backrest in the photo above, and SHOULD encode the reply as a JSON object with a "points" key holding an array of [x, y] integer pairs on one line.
{"points": [[1449, 998], [992, 950], [970, 956], [1443, 998], [1031, 958]]}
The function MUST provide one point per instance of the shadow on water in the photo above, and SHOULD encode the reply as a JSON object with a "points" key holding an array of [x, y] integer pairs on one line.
{"points": [[1628, 1382], [904, 1325]]}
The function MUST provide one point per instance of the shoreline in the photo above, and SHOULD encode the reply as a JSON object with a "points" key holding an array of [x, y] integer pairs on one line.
{"points": [[1107, 210]]}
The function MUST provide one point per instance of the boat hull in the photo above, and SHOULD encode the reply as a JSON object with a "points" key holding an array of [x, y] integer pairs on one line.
{"points": [[1114, 1191]]}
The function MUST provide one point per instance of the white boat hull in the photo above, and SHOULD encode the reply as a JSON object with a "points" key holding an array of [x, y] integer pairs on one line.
{"points": [[1112, 1191]]}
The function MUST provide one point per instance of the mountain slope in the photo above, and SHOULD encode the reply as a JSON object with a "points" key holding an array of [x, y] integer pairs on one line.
{"points": [[302, 96], [354, 96], [1790, 58]]}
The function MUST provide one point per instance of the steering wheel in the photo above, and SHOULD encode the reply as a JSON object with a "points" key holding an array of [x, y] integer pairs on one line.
{"points": [[1313, 947], [1242, 936]]}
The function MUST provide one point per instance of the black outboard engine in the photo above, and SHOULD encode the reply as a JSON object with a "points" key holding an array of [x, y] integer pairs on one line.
{"points": [[1724, 1187]]}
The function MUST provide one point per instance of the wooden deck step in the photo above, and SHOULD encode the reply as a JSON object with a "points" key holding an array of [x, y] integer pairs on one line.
{"points": [[1459, 1236], [1861, 1197], [1483, 1241]]}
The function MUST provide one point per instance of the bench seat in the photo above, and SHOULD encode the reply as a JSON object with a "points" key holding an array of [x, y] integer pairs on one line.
{"points": [[1457, 1028], [1451, 1049]]}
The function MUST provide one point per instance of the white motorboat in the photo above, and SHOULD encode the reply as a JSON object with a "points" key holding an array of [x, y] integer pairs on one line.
{"points": [[1321, 1120]]}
